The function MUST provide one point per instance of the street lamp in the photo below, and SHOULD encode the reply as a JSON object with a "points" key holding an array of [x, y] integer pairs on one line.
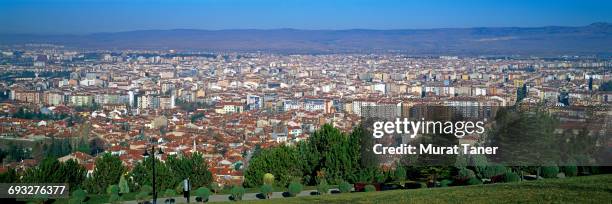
{"points": [[146, 154]]}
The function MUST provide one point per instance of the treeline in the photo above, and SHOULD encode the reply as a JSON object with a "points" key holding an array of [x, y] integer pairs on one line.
{"points": [[110, 173], [37, 115], [332, 157]]}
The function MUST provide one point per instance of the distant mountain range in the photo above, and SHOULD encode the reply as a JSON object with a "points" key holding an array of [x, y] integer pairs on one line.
{"points": [[595, 38]]}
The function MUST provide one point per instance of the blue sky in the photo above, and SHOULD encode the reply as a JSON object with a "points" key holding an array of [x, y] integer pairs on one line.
{"points": [[90, 16]]}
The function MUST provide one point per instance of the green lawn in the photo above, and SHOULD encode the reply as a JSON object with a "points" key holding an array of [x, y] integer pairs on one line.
{"points": [[587, 189]]}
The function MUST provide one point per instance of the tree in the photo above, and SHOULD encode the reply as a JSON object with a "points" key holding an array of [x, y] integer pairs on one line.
{"points": [[279, 161], [142, 174], [108, 170], [193, 167], [123, 185], [73, 173], [330, 151], [526, 137], [57, 148], [521, 93], [18, 152], [10, 176], [50, 170]]}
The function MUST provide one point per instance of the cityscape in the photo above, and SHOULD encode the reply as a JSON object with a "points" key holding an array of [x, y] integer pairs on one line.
{"points": [[148, 124]]}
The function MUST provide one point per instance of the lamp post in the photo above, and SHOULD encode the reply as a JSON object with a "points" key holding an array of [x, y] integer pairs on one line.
{"points": [[146, 154]]}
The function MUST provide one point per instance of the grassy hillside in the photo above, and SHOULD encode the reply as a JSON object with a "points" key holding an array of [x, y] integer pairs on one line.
{"points": [[587, 189]]}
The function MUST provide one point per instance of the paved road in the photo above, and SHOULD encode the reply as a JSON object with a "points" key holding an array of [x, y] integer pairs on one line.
{"points": [[220, 198]]}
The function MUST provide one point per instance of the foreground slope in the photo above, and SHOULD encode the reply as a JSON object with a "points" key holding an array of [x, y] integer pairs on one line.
{"points": [[587, 189]]}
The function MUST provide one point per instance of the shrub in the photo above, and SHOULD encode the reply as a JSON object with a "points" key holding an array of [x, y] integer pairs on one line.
{"points": [[169, 193], [511, 177], [141, 196], [266, 190], [112, 189], [445, 183], [400, 174], [203, 193], [323, 187], [179, 189], [215, 187], [268, 178], [465, 174], [550, 171], [123, 185], [370, 188], [474, 181], [146, 189], [295, 188], [114, 198], [237, 192], [491, 171], [345, 187], [570, 170], [79, 195]]}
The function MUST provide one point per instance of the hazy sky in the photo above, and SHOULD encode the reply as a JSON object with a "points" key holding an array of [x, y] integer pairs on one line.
{"points": [[90, 16]]}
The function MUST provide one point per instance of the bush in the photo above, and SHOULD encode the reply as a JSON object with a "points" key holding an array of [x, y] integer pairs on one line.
{"points": [[79, 196], [123, 185], [146, 189], [179, 189], [266, 190], [474, 181], [570, 171], [169, 193], [141, 196], [112, 189], [445, 183], [237, 192], [323, 187], [114, 198], [511, 177], [345, 187], [550, 171], [215, 187], [491, 171], [465, 174], [400, 174], [268, 178], [370, 188], [203, 193], [295, 188]]}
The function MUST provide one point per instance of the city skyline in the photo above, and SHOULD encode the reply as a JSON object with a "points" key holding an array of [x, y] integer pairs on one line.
{"points": [[83, 17]]}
